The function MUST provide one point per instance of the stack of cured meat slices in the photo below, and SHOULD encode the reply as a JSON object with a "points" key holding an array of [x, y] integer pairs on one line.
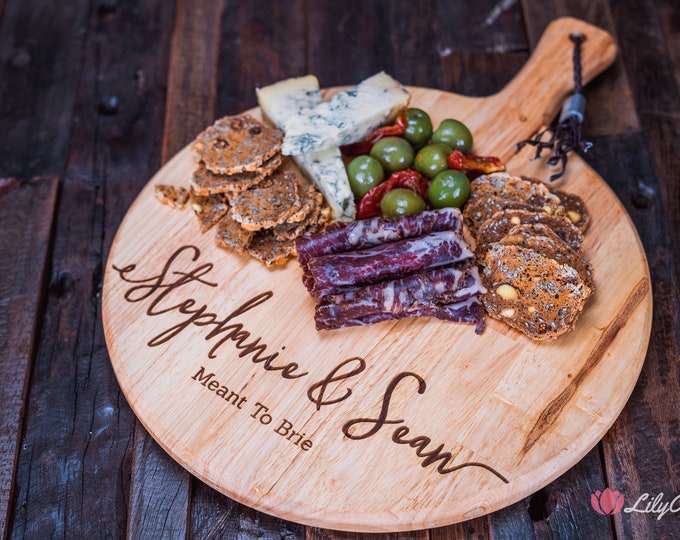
{"points": [[378, 269]]}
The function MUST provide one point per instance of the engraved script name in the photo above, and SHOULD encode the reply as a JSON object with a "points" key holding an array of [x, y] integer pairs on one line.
{"points": [[183, 268], [421, 443], [159, 290]]}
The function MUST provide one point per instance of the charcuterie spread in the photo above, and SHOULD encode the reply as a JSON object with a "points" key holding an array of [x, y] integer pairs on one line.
{"points": [[359, 308], [390, 216]]}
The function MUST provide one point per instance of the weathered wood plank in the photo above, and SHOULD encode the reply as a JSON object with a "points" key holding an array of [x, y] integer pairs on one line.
{"points": [[41, 48], [566, 501], [560, 510], [376, 38], [26, 214], [159, 498], [610, 107], [419, 44], [314, 533], [493, 45], [192, 78], [651, 199], [492, 26], [472, 529], [641, 448], [445, 59], [461, 71], [669, 16], [74, 467], [641, 451], [159, 487], [215, 516], [252, 53], [350, 41]]}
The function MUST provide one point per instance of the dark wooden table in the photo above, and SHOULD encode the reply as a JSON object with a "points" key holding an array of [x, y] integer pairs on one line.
{"points": [[95, 95]]}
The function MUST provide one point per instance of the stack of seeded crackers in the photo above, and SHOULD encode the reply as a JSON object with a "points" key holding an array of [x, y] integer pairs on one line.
{"points": [[528, 242], [241, 188]]}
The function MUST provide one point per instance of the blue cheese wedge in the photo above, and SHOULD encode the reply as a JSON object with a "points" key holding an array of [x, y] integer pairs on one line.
{"points": [[348, 117], [325, 169], [284, 99]]}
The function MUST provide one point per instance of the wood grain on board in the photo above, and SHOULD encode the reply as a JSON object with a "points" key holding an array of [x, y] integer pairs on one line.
{"points": [[250, 429]]}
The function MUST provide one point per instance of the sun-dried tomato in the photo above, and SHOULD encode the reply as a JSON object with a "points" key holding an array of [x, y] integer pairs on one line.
{"points": [[369, 204], [473, 165], [364, 147]]}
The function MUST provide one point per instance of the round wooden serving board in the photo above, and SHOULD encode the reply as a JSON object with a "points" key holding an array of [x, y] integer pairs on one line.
{"points": [[218, 355]]}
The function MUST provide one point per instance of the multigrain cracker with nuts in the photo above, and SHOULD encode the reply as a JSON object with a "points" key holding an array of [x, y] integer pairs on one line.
{"points": [[575, 208], [500, 223], [528, 241], [542, 239], [491, 193], [531, 292]]}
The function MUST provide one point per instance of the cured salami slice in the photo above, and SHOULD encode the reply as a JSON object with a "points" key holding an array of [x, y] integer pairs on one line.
{"points": [[469, 311], [330, 273], [349, 236], [440, 286]]}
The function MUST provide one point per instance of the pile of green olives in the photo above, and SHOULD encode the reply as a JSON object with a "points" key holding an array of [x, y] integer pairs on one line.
{"points": [[421, 148]]}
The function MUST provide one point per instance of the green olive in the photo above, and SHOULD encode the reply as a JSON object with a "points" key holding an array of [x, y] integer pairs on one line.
{"points": [[448, 188], [364, 173], [418, 127], [455, 134], [431, 159], [393, 153], [401, 201]]}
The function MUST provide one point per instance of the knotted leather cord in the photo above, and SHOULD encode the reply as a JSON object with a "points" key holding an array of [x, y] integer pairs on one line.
{"points": [[566, 136]]}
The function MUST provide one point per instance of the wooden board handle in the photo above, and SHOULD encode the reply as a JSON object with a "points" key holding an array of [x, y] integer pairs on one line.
{"points": [[539, 89]]}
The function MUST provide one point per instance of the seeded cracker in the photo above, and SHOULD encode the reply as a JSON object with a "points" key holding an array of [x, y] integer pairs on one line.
{"points": [[310, 199], [230, 235], [236, 144], [268, 204], [209, 210], [531, 292], [205, 182], [500, 223], [542, 239], [172, 196], [268, 249], [312, 205], [491, 193]]}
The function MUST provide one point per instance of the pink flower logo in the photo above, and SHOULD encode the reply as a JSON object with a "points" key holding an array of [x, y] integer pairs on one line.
{"points": [[607, 502]]}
